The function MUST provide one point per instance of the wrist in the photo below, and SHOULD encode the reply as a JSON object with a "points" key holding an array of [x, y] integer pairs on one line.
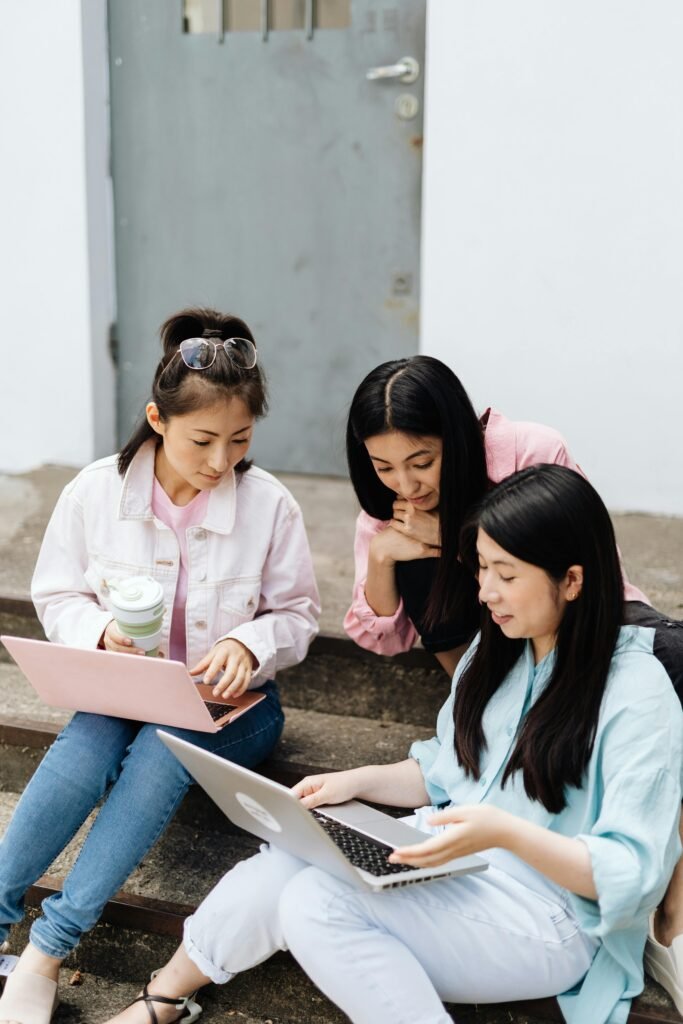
{"points": [[510, 832], [361, 778], [100, 642], [380, 559]]}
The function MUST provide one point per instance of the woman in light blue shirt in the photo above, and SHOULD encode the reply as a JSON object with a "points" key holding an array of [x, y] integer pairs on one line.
{"points": [[558, 758]]}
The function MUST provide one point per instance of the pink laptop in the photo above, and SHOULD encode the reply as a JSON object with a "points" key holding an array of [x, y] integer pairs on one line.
{"points": [[124, 685]]}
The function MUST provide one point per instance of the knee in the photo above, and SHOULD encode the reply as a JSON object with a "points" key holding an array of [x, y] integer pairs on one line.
{"points": [[153, 763], [89, 750]]}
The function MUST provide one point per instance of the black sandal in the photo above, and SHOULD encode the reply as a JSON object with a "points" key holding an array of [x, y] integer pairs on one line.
{"points": [[190, 1010]]}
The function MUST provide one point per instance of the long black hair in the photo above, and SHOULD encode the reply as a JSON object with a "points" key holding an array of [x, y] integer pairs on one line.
{"points": [[423, 397], [178, 390], [553, 518]]}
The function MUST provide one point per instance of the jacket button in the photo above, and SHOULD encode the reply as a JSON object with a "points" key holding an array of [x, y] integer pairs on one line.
{"points": [[201, 575], [200, 534], [200, 624]]}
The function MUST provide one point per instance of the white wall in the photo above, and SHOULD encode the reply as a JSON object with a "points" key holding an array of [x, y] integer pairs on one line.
{"points": [[56, 380], [552, 228], [552, 274]]}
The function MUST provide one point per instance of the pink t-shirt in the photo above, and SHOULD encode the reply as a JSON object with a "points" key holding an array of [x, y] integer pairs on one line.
{"points": [[179, 518]]}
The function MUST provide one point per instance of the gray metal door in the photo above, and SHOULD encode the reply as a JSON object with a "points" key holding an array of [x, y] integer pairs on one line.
{"points": [[262, 172]]}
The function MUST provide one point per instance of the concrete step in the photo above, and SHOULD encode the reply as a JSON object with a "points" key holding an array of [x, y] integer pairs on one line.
{"points": [[114, 961]]}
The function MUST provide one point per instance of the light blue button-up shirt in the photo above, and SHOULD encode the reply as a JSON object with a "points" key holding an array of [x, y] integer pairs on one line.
{"points": [[627, 811]]}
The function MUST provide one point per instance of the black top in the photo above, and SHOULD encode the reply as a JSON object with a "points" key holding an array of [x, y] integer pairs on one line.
{"points": [[414, 581]]}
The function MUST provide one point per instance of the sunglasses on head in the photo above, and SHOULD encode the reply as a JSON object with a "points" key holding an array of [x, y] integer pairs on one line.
{"points": [[200, 353]]}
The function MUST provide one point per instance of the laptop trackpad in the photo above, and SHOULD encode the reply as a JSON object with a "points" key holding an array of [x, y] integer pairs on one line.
{"points": [[375, 823]]}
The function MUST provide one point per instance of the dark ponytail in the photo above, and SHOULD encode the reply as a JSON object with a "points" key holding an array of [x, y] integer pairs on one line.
{"points": [[177, 390]]}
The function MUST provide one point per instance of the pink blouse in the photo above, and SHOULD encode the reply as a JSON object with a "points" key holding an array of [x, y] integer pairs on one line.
{"points": [[509, 446]]}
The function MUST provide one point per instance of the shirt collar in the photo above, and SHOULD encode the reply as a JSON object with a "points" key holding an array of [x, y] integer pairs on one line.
{"points": [[138, 484]]}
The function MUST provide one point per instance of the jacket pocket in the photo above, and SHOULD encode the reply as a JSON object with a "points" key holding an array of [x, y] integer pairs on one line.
{"points": [[101, 571], [238, 602], [96, 576]]}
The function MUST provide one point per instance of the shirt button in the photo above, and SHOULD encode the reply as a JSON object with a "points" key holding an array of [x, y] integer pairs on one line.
{"points": [[483, 781], [200, 624], [510, 729]]}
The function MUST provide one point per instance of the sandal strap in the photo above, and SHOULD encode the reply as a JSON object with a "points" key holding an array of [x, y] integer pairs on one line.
{"points": [[148, 998]]}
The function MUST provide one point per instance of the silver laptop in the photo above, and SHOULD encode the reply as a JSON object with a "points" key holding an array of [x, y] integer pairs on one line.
{"points": [[351, 841]]}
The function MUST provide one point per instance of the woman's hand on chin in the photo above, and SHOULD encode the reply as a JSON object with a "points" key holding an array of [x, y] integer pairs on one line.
{"points": [[470, 830], [416, 523], [390, 546]]}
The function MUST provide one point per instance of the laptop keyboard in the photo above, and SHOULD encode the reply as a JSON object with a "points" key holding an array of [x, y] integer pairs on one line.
{"points": [[217, 710], [363, 852]]}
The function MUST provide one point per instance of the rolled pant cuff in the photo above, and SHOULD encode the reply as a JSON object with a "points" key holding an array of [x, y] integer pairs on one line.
{"points": [[217, 975], [59, 953]]}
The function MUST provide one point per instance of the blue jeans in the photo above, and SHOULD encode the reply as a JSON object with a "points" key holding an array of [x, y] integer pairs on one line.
{"points": [[145, 783]]}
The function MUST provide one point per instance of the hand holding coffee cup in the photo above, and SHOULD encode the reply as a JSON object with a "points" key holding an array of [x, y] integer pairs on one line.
{"points": [[138, 606], [113, 640]]}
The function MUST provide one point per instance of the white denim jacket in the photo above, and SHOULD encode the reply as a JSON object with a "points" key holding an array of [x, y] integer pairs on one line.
{"points": [[250, 574]]}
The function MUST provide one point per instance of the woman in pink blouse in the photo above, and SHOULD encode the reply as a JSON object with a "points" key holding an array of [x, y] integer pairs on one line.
{"points": [[420, 457]]}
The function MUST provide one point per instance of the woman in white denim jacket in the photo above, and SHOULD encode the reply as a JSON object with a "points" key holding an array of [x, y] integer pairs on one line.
{"points": [[226, 541]]}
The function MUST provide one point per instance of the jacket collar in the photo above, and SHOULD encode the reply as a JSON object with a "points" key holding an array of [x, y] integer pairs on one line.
{"points": [[136, 494], [500, 446]]}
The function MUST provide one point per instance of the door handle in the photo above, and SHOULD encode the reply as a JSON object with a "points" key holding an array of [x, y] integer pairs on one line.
{"points": [[406, 70]]}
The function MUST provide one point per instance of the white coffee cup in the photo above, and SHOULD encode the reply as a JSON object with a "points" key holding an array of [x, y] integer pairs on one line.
{"points": [[137, 603]]}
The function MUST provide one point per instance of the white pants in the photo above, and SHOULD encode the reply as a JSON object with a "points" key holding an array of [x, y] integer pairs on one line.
{"points": [[392, 957]]}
